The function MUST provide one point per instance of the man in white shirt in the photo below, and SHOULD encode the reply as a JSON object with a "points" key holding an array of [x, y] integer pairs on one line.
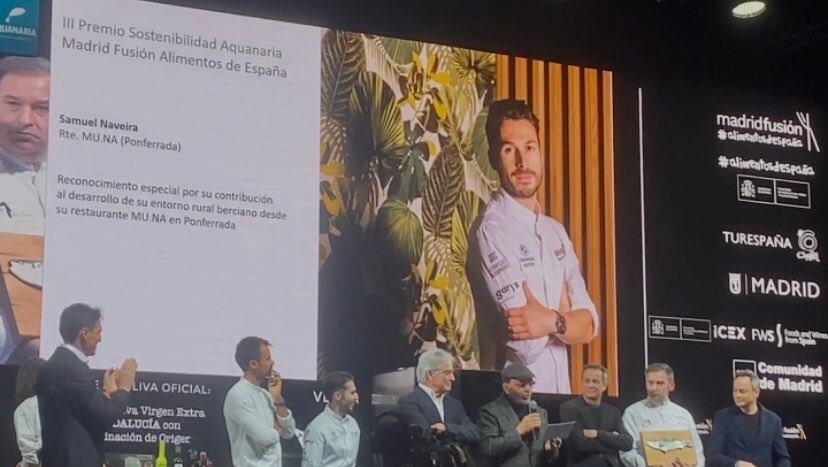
{"points": [[332, 438], [256, 418], [530, 298], [24, 136], [657, 412], [23, 202]]}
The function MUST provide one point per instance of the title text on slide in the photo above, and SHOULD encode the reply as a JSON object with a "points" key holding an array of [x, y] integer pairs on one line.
{"points": [[176, 40]]}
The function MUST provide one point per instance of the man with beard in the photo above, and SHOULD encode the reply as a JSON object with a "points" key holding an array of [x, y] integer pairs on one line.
{"points": [[658, 413], [512, 426], [257, 418], [332, 438], [530, 298]]}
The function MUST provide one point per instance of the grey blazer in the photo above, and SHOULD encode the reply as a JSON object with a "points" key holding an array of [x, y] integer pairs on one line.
{"points": [[500, 443]]}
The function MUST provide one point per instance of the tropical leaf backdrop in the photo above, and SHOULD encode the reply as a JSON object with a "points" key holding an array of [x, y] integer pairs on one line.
{"points": [[404, 173]]}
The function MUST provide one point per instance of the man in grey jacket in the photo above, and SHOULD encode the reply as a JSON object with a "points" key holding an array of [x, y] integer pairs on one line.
{"points": [[511, 426]]}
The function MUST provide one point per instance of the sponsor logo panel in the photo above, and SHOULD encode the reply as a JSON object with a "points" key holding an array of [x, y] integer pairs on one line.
{"points": [[776, 191], [795, 378]]}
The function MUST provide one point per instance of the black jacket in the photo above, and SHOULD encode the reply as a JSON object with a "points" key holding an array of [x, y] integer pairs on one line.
{"points": [[500, 443], [594, 452], [74, 413]]}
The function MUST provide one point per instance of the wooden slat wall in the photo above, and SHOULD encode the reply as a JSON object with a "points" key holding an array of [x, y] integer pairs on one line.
{"points": [[574, 106], [610, 310]]}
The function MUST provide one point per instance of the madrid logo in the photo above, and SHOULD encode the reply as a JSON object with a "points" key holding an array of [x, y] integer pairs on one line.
{"points": [[735, 283]]}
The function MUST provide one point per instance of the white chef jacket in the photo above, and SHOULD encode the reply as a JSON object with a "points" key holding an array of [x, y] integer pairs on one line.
{"points": [[331, 441], [515, 244], [646, 416], [23, 202]]}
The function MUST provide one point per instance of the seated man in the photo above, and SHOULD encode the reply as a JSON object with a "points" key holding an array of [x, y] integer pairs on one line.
{"points": [[657, 412], [747, 434], [429, 405], [599, 433], [512, 426]]}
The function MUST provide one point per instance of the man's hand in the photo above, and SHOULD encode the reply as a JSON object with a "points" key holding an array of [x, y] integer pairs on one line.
{"points": [[439, 427], [745, 464], [110, 382], [553, 444], [529, 423], [591, 434], [274, 387], [125, 377], [532, 320]]}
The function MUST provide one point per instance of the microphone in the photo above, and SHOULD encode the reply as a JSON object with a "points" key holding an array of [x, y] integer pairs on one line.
{"points": [[533, 408]]}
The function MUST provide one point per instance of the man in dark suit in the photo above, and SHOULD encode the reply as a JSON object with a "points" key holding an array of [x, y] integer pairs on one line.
{"points": [[598, 433], [429, 405], [512, 426], [74, 413], [747, 434]]}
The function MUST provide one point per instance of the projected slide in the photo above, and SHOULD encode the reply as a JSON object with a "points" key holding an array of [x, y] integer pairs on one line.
{"points": [[182, 184], [211, 176]]}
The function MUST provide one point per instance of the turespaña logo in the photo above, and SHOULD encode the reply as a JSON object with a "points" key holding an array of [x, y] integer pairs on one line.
{"points": [[806, 241], [808, 244]]}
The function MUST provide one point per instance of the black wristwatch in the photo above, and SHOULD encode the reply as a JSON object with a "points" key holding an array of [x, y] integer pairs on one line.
{"points": [[560, 324]]}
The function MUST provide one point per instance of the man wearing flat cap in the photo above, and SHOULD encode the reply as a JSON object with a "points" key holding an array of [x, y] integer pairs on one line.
{"points": [[512, 425]]}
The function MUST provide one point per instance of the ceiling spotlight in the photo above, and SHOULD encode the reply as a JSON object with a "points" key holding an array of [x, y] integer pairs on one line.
{"points": [[748, 9]]}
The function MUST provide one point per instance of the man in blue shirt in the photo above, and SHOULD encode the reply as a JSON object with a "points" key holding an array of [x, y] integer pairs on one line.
{"points": [[257, 418]]}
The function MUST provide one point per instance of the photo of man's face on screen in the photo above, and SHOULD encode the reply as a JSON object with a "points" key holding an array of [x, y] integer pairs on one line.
{"points": [[24, 113], [436, 172], [24, 135]]}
